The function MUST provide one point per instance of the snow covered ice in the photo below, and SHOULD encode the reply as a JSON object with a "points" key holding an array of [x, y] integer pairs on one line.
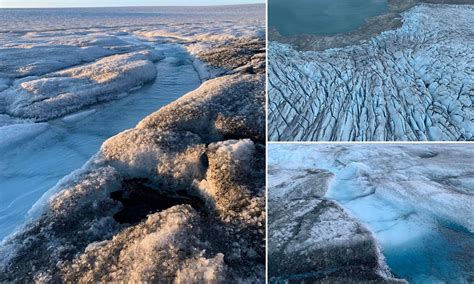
{"points": [[417, 201], [414, 83], [63, 92], [66, 87]]}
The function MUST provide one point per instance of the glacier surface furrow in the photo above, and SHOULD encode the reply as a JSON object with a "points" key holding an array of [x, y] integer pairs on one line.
{"points": [[414, 83]]}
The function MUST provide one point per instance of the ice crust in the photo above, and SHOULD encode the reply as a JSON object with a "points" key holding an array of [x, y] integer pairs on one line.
{"points": [[414, 83], [203, 19], [34, 79], [35, 60], [74, 229], [416, 199]]}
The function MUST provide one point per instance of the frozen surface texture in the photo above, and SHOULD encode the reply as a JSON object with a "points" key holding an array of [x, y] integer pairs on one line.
{"points": [[63, 92], [416, 200], [35, 156], [178, 198], [174, 155], [49, 69], [241, 55], [414, 83], [314, 239]]}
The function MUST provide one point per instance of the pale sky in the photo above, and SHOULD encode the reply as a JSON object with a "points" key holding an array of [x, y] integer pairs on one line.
{"points": [[116, 3]]}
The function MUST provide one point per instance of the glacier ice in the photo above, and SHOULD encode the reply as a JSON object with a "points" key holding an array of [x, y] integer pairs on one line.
{"points": [[205, 150], [314, 239], [31, 166], [35, 60], [416, 199], [414, 83], [177, 242]]}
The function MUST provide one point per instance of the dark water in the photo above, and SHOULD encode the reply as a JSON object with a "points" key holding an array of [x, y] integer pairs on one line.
{"points": [[321, 17], [139, 199]]}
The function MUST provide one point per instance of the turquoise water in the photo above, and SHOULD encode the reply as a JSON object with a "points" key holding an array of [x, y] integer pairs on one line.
{"points": [[321, 17], [419, 247], [444, 255]]}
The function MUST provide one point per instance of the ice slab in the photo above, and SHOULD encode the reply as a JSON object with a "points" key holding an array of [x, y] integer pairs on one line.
{"points": [[56, 94]]}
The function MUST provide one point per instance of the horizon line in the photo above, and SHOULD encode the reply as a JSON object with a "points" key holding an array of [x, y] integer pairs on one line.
{"points": [[128, 6]]}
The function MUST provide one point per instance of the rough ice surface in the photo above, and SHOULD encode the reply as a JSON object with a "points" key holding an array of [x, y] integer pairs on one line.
{"points": [[34, 79], [414, 83], [165, 154], [417, 200], [34, 60], [314, 239], [63, 92], [198, 163]]}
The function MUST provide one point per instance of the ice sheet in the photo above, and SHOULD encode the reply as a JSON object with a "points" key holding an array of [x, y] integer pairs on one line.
{"points": [[414, 83], [41, 48]]}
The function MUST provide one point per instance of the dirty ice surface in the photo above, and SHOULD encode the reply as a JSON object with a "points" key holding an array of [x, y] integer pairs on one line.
{"points": [[71, 78], [418, 200]]}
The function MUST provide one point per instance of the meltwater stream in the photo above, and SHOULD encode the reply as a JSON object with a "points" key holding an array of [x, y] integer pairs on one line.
{"points": [[418, 246], [31, 166]]}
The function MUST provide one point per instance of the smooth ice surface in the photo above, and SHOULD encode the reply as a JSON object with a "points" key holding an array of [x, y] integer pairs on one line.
{"points": [[414, 83], [321, 17], [417, 199]]}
